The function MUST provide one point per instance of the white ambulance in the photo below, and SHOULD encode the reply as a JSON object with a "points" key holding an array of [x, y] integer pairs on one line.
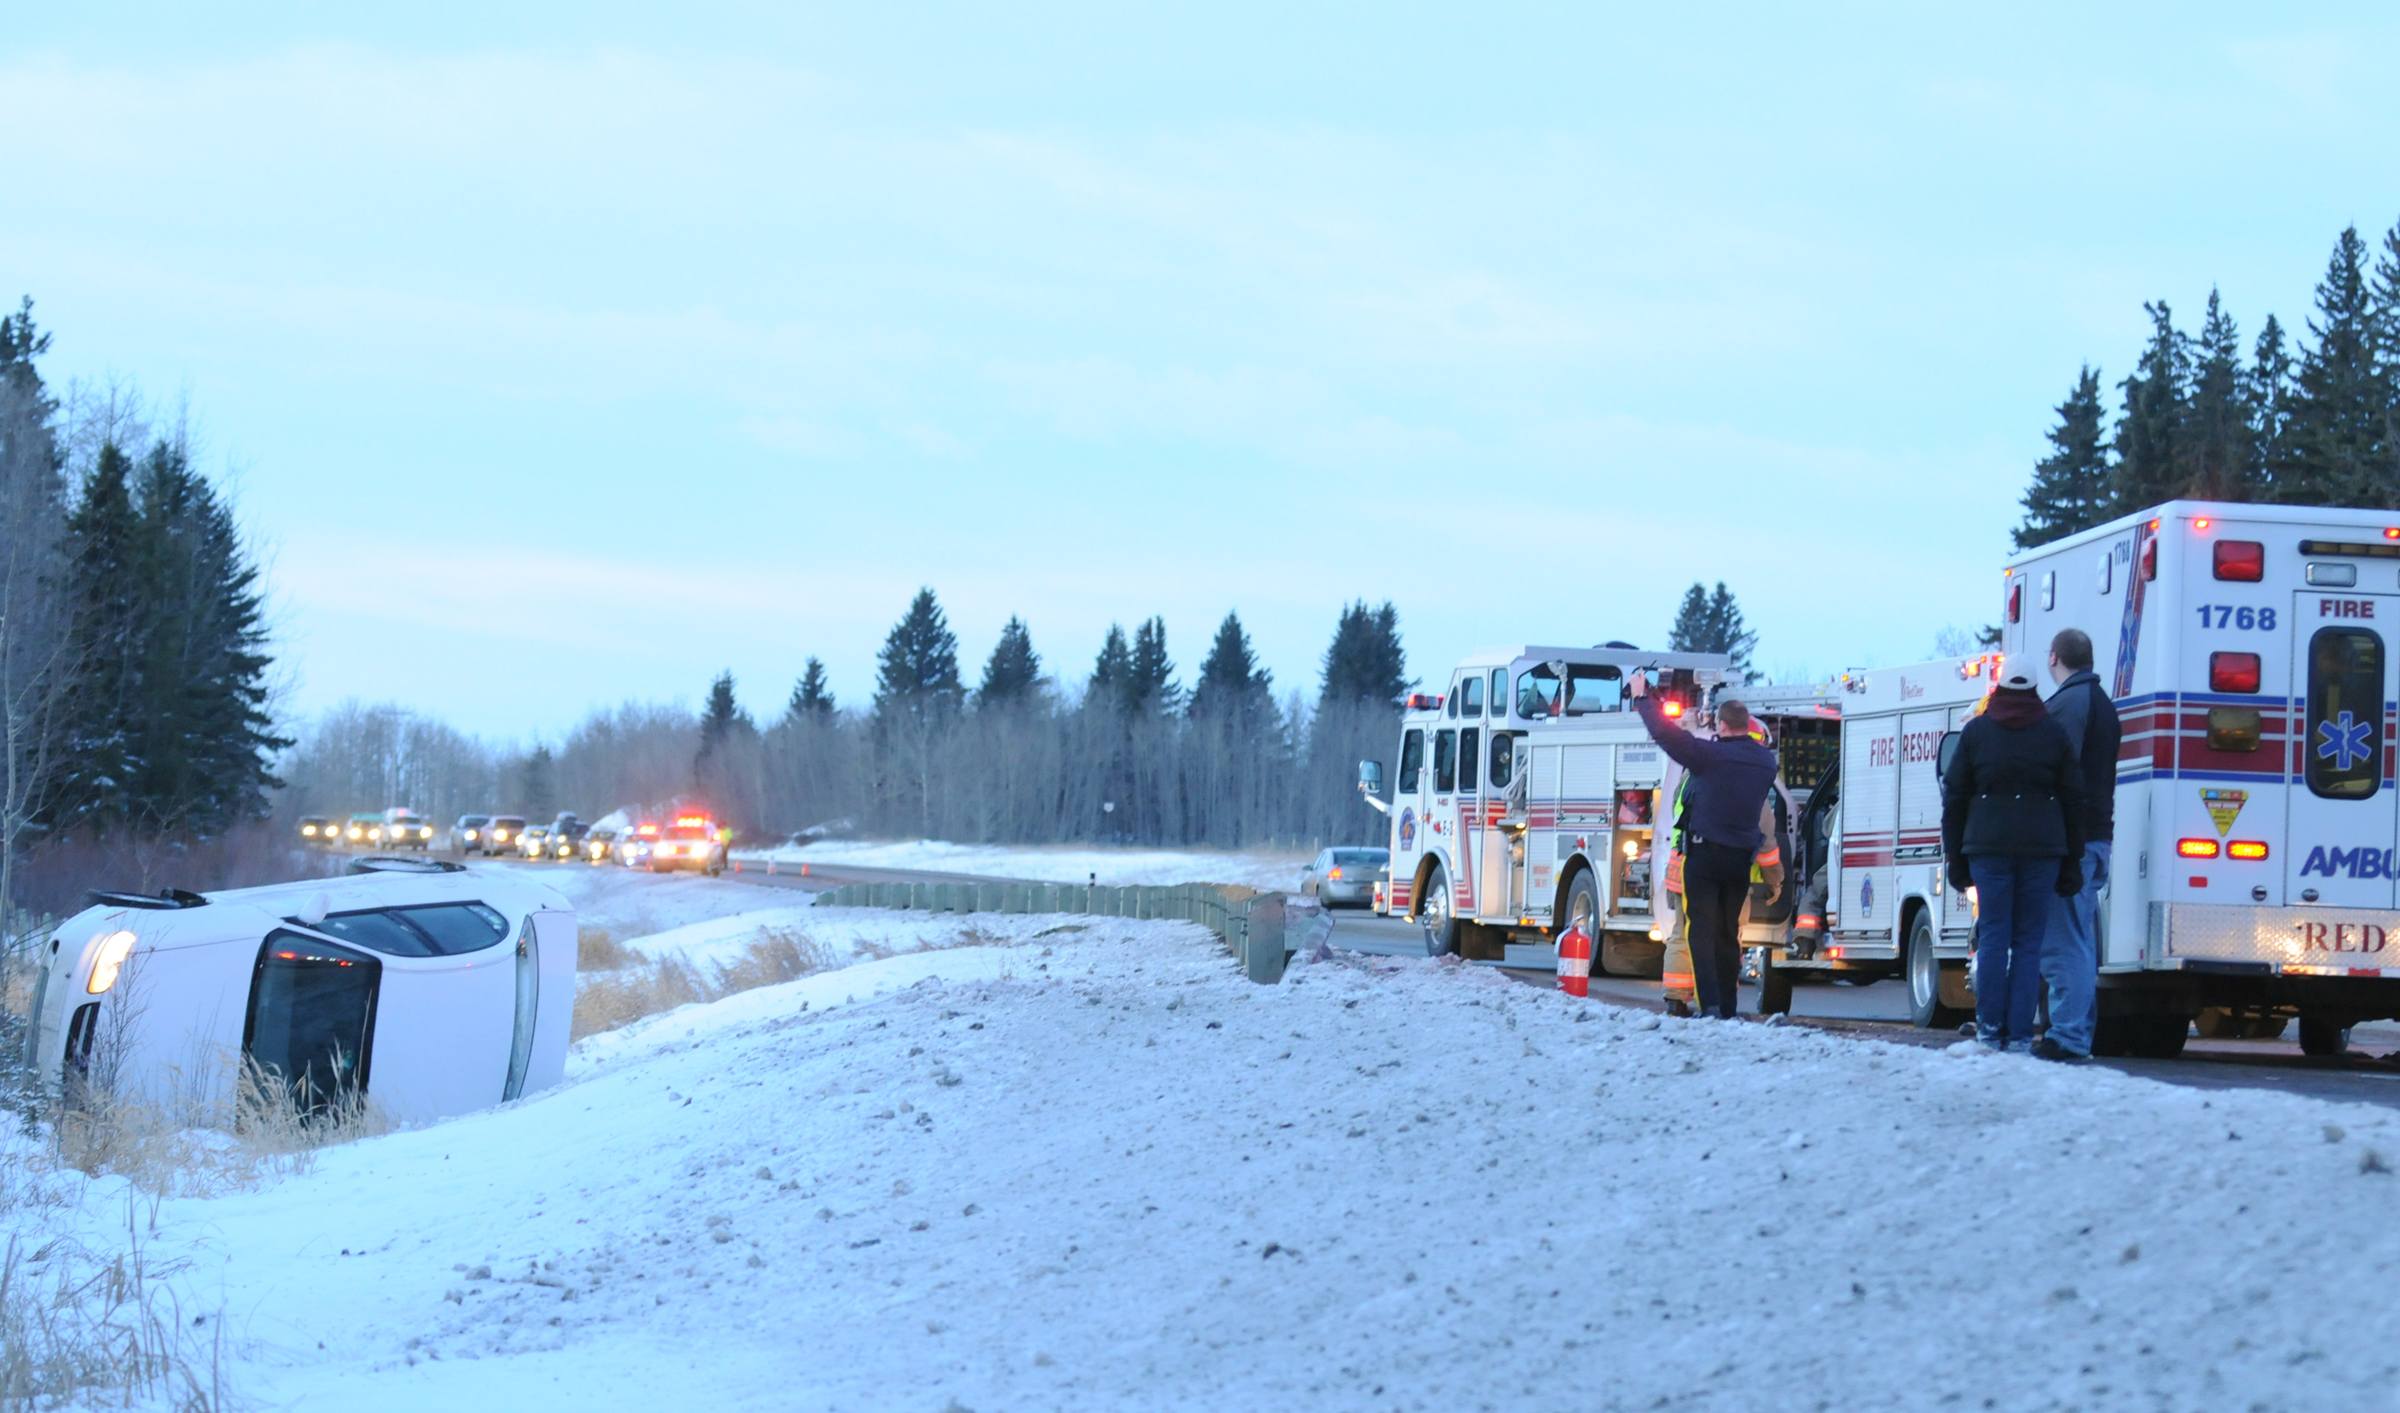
{"points": [[1865, 861], [2249, 649], [1525, 798]]}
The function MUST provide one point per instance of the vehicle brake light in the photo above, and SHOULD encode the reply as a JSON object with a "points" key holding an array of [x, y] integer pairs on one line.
{"points": [[2240, 561], [1334, 874], [2233, 672], [2392, 532], [2196, 848], [2247, 849]]}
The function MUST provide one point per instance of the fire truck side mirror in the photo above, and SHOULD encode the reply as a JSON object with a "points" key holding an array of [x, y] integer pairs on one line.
{"points": [[1944, 754], [1370, 779]]}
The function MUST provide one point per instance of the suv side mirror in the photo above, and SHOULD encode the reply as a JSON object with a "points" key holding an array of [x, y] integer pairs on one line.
{"points": [[1944, 754], [1370, 778]]}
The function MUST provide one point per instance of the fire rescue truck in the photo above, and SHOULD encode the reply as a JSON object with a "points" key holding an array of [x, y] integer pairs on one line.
{"points": [[2249, 649], [1864, 864], [1525, 800]]}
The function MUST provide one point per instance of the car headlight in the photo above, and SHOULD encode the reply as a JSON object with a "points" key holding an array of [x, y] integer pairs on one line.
{"points": [[425, 833], [470, 836], [108, 961]]}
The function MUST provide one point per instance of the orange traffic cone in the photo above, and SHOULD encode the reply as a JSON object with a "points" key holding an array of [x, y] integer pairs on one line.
{"points": [[1575, 962]]}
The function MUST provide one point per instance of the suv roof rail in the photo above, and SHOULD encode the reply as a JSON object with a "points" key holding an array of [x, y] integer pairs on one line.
{"points": [[384, 863], [165, 899]]}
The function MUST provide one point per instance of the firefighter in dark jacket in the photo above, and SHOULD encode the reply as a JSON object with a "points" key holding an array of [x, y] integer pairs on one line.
{"points": [[2012, 827], [1727, 794], [2071, 950]]}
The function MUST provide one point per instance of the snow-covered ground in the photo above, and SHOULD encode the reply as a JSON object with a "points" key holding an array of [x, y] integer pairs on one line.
{"points": [[1095, 1169], [1262, 869]]}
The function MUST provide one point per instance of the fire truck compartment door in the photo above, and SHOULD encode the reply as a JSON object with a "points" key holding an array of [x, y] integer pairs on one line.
{"points": [[2340, 830]]}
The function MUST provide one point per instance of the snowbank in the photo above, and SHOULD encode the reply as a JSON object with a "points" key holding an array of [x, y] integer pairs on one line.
{"points": [[1262, 869], [1094, 1169]]}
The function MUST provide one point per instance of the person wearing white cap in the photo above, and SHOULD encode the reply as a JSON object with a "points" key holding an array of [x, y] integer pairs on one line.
{"points": [[2012, 826]]}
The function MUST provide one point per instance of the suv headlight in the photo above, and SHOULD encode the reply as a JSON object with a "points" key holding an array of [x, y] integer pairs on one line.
{"points": [[108, 961]]}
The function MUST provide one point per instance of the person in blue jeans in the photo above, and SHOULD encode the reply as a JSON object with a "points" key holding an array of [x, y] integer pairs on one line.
{"points": [[2071, 950], [2012, 827]]}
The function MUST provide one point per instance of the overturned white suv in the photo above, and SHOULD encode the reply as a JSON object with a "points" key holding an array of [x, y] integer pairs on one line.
{"points": [[419, 987]]}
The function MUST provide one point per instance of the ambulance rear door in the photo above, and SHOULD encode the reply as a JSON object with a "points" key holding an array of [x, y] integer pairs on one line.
{"points": [[2338, 851]]}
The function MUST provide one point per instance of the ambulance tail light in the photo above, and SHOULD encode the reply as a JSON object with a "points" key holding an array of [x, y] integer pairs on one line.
{"points": [[2240, 561], [2233, 672], [2196, 848], [2250, 849]]}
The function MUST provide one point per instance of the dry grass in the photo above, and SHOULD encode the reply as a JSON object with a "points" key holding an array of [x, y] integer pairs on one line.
{"points": [[639, 986], [597, 949], [86, 1327]]}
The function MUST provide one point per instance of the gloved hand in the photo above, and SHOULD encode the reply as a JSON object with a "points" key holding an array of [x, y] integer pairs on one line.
{"points": [[1960, 878], [2070, 877]]}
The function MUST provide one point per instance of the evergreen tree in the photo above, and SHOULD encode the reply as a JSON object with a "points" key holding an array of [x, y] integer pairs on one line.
{"points": [[2384, 298], [1232, 686], [2153, 462], [203, 738], [1364, 662], [2335, 436], [1712, 623], [2070, 490], [1014, 669], [916, 674], [1733, 635], [811, 700], [1150, 680], [2222, 457], [1111, 671], [537, 784], [105, 560], [721, 719], [2268, 390], [1691, 632], [21, 342]]}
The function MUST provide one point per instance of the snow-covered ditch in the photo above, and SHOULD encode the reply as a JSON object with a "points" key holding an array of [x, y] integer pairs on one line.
{"points": [[1089, 1167], [1261, 869]]}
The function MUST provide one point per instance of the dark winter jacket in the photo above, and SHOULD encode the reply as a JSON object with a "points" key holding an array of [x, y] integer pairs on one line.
{"points": [[2013, 790], [1729, 782], [2082, 708]]}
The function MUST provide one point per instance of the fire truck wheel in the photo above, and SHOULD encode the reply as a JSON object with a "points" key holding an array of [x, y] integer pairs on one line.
{"points": [[1774, 987], [2323, 1037], [1583, 911], [2159, 1037], [1924, 971], [1434, 915]]}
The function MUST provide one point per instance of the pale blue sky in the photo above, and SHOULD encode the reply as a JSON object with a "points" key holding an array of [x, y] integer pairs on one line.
{"points": [[570, 356]]}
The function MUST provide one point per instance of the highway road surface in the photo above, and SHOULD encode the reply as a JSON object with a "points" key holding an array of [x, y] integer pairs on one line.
{"points": [[1877, 1010]]}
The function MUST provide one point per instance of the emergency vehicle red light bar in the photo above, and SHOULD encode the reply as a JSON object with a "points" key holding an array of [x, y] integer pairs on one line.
{"points": [[2196, 848], [684, 819], [2240, 561], [1671, 707], [2247, 849], [2233, 672], [2202, 524], [1422, 701]]}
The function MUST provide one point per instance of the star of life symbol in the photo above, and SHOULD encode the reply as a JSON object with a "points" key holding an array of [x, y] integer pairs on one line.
{"points": [[2343, 741]]}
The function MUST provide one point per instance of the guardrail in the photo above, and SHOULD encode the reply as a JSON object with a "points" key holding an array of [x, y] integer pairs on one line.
{"points": [[1261, 930]]}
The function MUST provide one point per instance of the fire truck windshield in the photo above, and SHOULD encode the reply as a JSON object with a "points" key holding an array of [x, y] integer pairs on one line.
{"points": [[1589, 689]]}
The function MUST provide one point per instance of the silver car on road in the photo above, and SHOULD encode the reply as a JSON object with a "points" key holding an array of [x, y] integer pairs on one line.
{"points": [[1345, 877]]}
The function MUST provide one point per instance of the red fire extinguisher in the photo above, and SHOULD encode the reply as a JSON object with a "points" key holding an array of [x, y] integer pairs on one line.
{"points": [[1575, 962]]}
